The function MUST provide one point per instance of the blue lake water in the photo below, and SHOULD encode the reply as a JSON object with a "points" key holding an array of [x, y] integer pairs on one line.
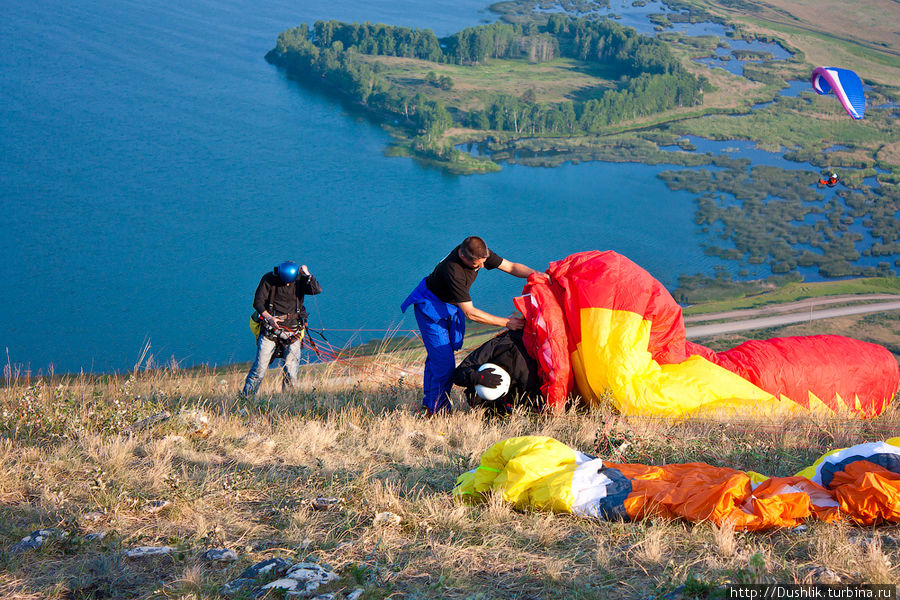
{"points": [[154, 166]]}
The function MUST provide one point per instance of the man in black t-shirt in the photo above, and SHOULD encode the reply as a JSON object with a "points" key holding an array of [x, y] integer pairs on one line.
{"points": [[279, 303], [442, 303]]}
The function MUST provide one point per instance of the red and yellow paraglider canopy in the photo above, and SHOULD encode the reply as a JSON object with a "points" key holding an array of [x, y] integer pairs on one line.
{"points": [[603, 327]]}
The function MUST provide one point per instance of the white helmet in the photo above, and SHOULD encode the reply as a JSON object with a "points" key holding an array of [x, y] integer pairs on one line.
{"points": [[490, 394]]}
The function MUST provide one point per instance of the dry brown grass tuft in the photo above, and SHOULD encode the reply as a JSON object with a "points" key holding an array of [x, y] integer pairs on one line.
{"points": [[724, 538]]}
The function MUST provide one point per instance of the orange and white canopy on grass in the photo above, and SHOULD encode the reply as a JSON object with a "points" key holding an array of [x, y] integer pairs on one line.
{"points": [[604, 327], [860, 484]]}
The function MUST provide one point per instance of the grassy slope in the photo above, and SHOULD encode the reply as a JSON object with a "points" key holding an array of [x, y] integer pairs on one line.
{"points": [[244, 480]]}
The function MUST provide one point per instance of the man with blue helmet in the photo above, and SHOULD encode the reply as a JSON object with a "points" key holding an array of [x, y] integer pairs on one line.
{"points": [[279, 304]]}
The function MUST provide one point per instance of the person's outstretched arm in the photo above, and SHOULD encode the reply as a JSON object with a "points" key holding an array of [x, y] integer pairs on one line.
{"points": [[479, 316], [516, 269]]}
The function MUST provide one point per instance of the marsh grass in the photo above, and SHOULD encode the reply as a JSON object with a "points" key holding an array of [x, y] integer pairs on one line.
{"points": [[241, 474]]}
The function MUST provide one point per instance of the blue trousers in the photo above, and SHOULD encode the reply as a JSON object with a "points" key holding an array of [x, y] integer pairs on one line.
{"points": [[439, 363]]}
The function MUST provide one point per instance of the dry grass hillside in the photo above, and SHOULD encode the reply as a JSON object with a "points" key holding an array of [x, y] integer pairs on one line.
{"points": [[345, 473]]}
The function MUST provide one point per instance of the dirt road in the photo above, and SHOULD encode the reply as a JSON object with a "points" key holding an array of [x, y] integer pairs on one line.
{"points": [[784, 314]]}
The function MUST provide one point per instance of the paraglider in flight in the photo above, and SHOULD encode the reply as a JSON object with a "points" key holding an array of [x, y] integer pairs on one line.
{"points": [[845, 84], [829, 179]]}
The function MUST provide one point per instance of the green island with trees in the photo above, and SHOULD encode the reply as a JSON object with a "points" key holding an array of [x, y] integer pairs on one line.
{"points": [[543, 88], [567, 77]]}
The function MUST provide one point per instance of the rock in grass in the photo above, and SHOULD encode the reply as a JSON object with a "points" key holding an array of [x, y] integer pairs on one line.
{"points": [[387, 519], [278, 566], [282, 584], [322, 503], [148, 422], [236, 586], [417, 439], [823, 575], [35, 540], [299, 580], [95, 537], [219, 554], [311, 575], [145, 551], [355, 594], [156, 506]]}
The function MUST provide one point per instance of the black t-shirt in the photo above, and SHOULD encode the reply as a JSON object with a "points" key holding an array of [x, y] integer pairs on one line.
{"points": [[451, 279]]}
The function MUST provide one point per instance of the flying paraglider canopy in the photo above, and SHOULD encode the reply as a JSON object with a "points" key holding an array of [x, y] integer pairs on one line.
{"points": [[845, 84]]}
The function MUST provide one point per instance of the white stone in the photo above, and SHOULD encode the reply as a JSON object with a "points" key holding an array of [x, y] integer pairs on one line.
{"points": [[36, 539], [311, 573], [220, 554], [387, 519], [142, 551], [282, 584]]}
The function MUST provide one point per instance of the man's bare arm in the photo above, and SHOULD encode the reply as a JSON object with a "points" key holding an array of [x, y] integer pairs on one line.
{"points": [[480, 316], [516, 269]]}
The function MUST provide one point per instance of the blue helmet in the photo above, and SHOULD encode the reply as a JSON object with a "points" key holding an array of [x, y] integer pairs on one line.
{"points": [[288, 271]]}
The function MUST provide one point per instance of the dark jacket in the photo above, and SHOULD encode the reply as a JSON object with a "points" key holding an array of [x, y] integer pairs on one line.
{"points": [[285, 299], [507, 351]]}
